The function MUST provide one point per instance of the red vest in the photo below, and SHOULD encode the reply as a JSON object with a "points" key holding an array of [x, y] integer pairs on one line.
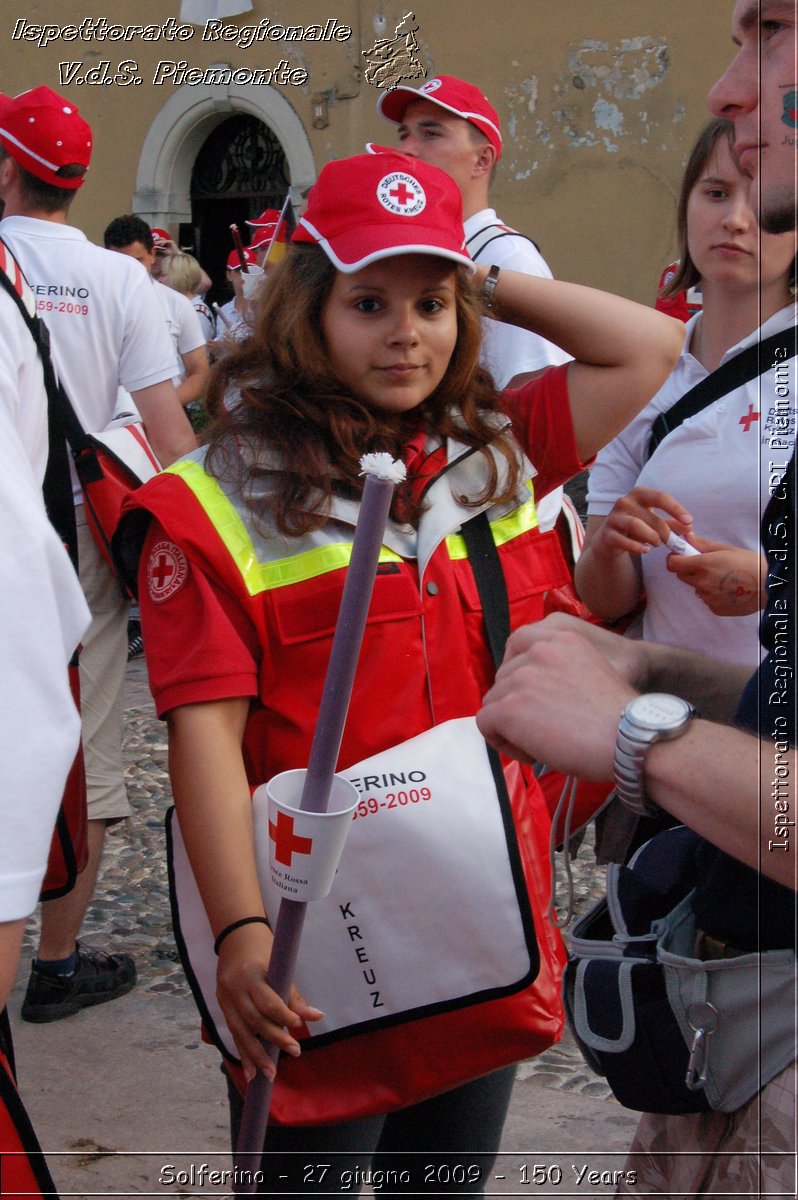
{"points": [[424, 658]]}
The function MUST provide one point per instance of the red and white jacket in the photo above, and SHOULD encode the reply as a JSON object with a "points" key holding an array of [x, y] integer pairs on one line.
{"points": [[231, 608]]}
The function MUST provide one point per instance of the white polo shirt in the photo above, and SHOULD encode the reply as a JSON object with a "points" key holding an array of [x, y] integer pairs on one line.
{"points": [[43, 616], [22, 396], [717, 464], [182, 322], [104, 328], [508, 350]]}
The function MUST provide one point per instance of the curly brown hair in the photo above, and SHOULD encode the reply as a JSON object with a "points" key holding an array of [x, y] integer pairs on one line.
{"points": [[290, 403]]}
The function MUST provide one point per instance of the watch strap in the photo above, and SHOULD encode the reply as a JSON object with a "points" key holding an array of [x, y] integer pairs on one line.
{"points": [[637, 733], [489, 287], [631, 748]]}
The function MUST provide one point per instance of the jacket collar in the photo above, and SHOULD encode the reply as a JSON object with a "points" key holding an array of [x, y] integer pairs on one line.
{"points": [[446, 496]]}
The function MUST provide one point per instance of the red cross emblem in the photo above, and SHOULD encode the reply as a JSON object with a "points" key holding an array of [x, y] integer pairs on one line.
{"points": [[163, 570], [167, 572], [749, 418], [402, 194], [286, 842]]}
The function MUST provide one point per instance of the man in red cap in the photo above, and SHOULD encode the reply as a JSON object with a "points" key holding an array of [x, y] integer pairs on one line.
{"points": [[234, 324], [131, 235], [105, 332], [164, 247], [452, 125], [268, 237]]}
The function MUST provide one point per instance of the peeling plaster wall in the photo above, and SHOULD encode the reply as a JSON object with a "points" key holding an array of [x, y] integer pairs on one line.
{"points": [[599, 97], [599, 100]]}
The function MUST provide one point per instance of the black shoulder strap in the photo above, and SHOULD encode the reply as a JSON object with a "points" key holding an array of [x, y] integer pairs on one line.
{"points": [[62, 424], [743, 367], [491, 585], [483, 237]]}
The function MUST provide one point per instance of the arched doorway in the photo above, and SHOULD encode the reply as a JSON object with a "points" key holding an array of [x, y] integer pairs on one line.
{"points": [[177, 137], [240, 170]]}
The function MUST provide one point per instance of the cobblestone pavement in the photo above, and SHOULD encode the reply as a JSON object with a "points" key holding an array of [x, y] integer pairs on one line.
{"points": [[130, 911]]}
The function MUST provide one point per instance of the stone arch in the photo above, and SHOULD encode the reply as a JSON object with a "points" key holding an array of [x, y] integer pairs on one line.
{"points": [[163, 180]]}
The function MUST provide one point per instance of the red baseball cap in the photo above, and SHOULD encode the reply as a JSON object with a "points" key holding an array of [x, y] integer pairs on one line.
{"points": [[265, 226], [275, 249], [376, 206], [267, 219], [160, 236], [455, 95], [234, 261], [43, 132]]}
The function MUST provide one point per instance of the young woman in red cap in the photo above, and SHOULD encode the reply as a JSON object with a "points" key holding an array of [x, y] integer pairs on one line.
{"points": [[367, 340]]}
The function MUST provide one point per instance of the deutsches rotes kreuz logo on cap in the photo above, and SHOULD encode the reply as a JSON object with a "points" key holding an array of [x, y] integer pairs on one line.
{"points": [[431, 85], [401, 194]]}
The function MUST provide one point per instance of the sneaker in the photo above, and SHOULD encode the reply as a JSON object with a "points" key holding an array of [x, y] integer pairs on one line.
{"points": [[135, 647], [135, 642], [97, 978]]}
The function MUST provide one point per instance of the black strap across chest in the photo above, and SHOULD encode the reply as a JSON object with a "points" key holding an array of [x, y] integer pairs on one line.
{"points": [[746, 365]]}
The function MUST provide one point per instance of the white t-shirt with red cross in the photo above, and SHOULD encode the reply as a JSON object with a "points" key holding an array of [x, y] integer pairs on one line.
{"points": [[718, 464]]}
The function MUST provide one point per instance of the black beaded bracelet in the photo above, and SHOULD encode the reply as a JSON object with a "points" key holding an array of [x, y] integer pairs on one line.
{"points": [[237, 925]]}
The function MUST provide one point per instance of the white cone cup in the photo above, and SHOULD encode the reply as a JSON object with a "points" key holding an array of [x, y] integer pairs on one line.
{"points": [[251, 281], [299, 851]]}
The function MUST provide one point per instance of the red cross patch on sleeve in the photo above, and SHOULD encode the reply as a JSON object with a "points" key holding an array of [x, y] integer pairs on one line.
{"points": [[167, 571]]}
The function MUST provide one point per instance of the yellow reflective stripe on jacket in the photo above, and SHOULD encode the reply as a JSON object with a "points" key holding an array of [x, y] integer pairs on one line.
{"points": [[261, 576], [521, 520]]}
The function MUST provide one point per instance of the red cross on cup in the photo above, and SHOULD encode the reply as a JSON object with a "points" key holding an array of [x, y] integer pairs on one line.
{"points": [[283, 830], [286, 842]]}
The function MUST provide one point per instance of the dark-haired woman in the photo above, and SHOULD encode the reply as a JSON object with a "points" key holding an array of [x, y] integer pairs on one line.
{"points": [[710, 477], [367, 340]]}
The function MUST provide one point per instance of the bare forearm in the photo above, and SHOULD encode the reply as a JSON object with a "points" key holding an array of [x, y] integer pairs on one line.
{"points": [[190, 389], [609, 575], [610, 586], [596, 327], [167, 425], [623, 351], [558, 697], [193, 384], [212, 799], [733, 789], [713, 687]]}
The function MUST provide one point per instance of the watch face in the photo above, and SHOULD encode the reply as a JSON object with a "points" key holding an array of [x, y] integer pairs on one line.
{"points": [[657, 710]]}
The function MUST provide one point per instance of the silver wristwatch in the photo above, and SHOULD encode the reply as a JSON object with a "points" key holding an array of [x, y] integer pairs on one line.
{"points": [[654, 717]]}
